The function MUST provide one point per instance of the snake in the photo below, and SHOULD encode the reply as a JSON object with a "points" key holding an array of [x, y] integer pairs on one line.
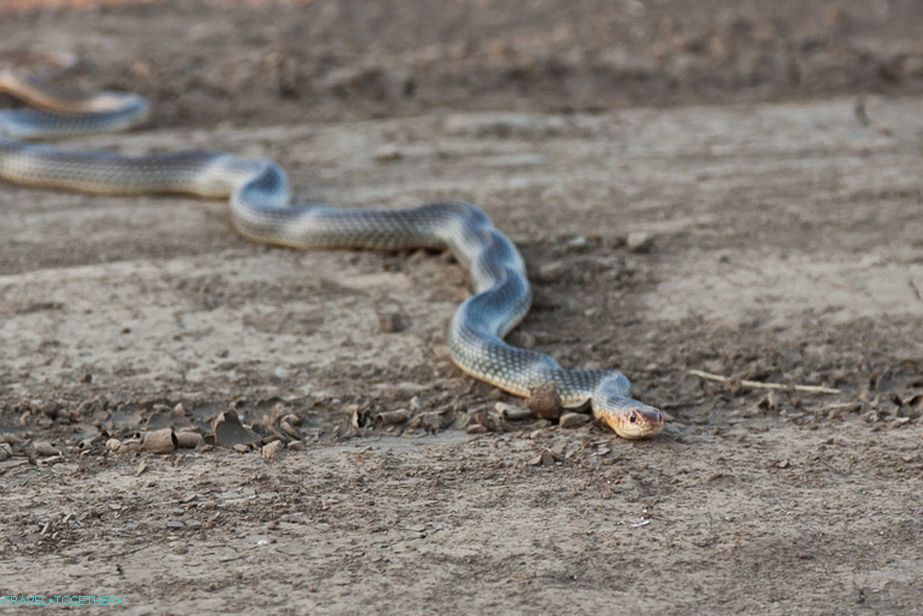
{"points": [[261, 210]]}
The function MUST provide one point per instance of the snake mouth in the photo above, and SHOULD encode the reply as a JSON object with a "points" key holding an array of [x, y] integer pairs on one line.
{"points": [[635, 423]]}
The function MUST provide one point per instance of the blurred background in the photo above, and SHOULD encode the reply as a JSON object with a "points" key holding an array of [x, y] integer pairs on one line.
{"points": [[263, 60]]}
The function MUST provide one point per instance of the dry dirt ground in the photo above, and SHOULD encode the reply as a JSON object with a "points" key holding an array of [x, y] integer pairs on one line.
{"points": [[771, 150]]}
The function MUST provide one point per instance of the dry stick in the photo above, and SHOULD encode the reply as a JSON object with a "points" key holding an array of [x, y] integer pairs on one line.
{"points": [[812, 389]]}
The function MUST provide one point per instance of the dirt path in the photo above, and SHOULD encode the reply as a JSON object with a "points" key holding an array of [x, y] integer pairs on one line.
{"points": [[785, 247]]}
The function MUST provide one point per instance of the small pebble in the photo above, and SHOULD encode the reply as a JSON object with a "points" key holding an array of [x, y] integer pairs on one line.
{"points": [[354, 417], [522, 339], [476, 428], [159, 441], [188, 439], [512, 412], [551, 272], [393, 418], [578, 242], [910, 412], [241, 448], [271, 450], [129, 446], [572, 420], [388, 153], [50, 410], [545, 458], [296, 445], [640, 242], [391, 323], [432, 422], [45, 448], [5, 451], [141, 70], [768, 402], [113, 444], [287, 427]]}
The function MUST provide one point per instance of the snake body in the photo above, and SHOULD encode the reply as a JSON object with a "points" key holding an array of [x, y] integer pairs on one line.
{"points": [[261, 210]]}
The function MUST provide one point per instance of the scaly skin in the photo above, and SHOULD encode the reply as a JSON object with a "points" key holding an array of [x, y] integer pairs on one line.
{"points": [[261, 211]]}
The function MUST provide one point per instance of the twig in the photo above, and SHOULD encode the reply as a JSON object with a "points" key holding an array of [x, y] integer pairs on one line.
{"points": [[915, 289], [812, 389]]}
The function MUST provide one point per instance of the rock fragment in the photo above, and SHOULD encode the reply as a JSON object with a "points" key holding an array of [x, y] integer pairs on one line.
{"points": [[431, 422], [768, 403], [187, 439], [545, 458], [911, 408], [391, 323], [572, 420], [551, 272], [639, 242], [388, 153], [512, 412], [230, 432], [45, 448], [290, 430], [130, 445], [493, 422], [271, 450], [522, 339], [544, 401], [159, 441], [393, 418]]}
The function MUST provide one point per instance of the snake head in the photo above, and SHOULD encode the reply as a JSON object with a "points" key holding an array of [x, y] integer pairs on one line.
{"points": [[629, 418]]}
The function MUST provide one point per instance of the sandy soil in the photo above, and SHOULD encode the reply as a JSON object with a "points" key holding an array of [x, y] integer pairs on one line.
{"points": [[771, 151]]}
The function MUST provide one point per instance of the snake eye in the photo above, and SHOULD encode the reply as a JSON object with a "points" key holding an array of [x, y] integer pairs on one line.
{"points": [[633, 418]]}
